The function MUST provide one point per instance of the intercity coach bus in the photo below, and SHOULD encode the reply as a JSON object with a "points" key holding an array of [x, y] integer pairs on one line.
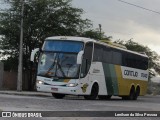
{"points": [[86, 67]]}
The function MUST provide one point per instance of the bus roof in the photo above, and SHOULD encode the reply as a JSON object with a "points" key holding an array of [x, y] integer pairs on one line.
{"points": [[84, 39]]}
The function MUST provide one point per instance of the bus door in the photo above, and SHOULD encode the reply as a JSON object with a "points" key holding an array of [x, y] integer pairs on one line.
{"points": [[86, 64]]}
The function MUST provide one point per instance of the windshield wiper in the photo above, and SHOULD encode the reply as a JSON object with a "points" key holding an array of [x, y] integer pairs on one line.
{"points": [[60, 68], [51, 67], [57, 65]]}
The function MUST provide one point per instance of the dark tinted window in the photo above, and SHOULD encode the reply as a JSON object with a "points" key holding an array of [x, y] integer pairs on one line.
{"points": [[107, 55], [88, 51], [98, 53], [117, 57], [135, 61], [87, 57]]}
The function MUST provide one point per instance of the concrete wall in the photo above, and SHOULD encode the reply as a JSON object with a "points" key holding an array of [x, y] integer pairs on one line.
{"points": [[1, 74], [10, 80]]}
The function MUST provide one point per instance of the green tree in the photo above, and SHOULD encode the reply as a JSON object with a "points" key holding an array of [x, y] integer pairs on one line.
{"points": [[96, 34], [42, 18]]}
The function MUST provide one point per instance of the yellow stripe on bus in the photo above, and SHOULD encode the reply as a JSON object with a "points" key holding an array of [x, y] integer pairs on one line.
{"points": [[66, 80], [124, 85]]}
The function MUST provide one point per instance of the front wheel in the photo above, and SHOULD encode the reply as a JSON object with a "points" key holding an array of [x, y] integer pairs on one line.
{"points": [[58, 96], [94, 93]]}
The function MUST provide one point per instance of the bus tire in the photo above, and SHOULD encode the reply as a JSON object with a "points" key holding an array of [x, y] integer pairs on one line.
{"points": [[137, 93], [132, 93], [104, 97], [58, 96], [94, 92]]}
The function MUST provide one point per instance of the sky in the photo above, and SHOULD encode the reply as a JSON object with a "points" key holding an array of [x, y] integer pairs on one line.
{"points": [[123, 21]]}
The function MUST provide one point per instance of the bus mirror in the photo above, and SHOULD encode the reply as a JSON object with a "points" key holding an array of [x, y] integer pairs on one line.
{"points": [[79, 57], [33, 54]]}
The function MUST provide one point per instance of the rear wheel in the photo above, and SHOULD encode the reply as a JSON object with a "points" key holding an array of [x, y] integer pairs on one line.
{"points": [[58, 96], [137, 93], [131, 94], [104, 97], [94, 93]]}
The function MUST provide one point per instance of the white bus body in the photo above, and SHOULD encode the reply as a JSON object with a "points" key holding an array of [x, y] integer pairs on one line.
{"points": [[83, 66]]}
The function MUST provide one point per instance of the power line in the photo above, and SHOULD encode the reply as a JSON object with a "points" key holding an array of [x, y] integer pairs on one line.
{"points": [[139, 6]]}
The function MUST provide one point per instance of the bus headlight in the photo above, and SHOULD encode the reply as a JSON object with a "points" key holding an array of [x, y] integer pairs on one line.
{"points": [[39, 82], [72, 84]]}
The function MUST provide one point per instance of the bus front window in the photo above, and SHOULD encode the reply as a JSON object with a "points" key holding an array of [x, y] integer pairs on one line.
{"points": [[61, 65], [59, 59]]}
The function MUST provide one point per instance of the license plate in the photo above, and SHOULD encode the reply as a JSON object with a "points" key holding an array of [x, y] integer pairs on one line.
{"points": [[54, 89]]}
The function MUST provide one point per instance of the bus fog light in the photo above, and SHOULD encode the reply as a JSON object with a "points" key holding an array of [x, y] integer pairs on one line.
{"points": [[39, 82], [72, 84]]}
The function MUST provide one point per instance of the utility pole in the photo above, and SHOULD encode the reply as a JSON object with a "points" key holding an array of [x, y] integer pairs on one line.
{"points": [[20, 66], [100, 30]]}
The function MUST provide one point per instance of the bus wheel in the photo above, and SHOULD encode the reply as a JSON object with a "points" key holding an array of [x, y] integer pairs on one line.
{"points": [[104, 97], [137, 93], [94, 93], [132, 94], [58, 96]]}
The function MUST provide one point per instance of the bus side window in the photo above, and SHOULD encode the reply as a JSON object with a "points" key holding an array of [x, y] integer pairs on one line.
{"points": [[117, 58], [107, 55], [98, 53], [145, 64], [134, 61], [87, 57]]}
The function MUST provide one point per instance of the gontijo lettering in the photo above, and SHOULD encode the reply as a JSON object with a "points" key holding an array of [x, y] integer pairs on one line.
{"points": [[131, 73], [134, 74]]}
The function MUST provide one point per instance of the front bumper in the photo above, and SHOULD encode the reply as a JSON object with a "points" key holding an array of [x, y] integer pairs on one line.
{"points": [[57, 89]]}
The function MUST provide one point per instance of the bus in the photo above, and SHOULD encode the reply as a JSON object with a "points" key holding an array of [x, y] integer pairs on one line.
{"points": [[82, 66]]}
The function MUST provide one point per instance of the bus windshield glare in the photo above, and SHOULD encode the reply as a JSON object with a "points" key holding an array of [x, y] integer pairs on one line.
{"points": [[59, 59]]}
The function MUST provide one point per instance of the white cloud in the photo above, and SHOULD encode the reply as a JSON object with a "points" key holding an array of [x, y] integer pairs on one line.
{"points": [[122, 21], [142, 34]]}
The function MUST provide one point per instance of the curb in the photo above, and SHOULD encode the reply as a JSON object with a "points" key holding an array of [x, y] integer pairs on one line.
{"points": [[26, 93]]}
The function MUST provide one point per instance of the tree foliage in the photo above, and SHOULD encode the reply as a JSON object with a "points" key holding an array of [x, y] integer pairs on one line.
{"points": [[95, 34], [42, 18]]}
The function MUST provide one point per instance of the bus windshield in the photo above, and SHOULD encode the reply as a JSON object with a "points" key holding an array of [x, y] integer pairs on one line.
{"points": [[59, 59]]}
